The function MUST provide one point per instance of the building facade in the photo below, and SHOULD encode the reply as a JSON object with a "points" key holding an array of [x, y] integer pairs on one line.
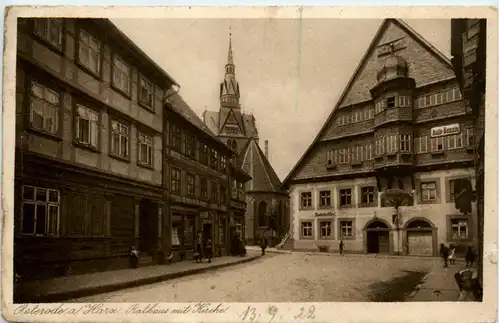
{"points": [[468, 48], [89, 137], [200, 181], [267, 202], [400, 127]]}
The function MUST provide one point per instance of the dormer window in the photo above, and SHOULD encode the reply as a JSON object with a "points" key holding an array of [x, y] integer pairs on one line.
{"points": [[391, 102]]}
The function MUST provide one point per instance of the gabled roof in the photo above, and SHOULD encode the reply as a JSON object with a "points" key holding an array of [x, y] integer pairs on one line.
{"points": [[253, 161], [384, 25], [212, 120]]}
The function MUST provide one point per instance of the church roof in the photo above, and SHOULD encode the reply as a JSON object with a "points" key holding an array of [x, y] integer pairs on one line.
{"points": [[215, 119], [253, 161], [435, 67]]}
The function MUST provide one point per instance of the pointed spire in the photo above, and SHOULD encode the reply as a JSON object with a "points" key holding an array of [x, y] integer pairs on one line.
{"points": [[230, 51]]}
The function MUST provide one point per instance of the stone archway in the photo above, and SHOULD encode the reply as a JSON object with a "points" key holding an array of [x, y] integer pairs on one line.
{"points": [[377, 235], [420, 237]]}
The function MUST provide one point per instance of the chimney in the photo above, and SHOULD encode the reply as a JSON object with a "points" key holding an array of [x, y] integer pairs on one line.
{"points": [[266, 149]]}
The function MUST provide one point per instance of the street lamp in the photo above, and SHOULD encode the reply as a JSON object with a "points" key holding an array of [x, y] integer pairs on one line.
{"points": [[396, 198]]}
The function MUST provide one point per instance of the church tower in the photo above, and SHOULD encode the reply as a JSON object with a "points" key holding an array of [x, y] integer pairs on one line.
{"points": [[235, 128]]}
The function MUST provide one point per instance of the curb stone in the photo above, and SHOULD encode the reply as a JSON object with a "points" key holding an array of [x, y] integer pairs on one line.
{"points": [[417, 288], [90, 291]]}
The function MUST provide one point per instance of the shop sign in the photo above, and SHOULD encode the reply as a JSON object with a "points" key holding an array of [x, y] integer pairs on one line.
{"points": [[445, 130], [324, 214]]}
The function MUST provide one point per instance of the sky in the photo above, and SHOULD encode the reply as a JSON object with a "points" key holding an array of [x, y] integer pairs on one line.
{"points": [[291, 72]]}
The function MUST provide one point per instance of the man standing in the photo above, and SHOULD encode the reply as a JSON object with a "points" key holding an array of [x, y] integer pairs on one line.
{"points": [[445, 252], [341, 247], [263, 245], [209, 249]]}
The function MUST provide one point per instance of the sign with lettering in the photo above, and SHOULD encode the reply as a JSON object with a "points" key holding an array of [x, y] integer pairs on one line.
{"points": [[324, 214], [445, 130]]}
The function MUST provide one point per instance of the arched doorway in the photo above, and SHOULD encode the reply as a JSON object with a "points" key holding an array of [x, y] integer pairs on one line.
{"points": [[420, 237], [377, 237]]}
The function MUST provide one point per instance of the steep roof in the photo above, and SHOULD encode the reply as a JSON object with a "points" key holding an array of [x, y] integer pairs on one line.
{"points": [[357, 91], [213, 118], [253, 161], [178, 105]]}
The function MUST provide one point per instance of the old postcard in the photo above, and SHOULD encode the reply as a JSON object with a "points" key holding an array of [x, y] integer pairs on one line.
{"points": [[250, 164]]}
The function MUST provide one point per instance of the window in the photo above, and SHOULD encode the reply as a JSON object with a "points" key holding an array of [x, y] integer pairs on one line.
{"points": [[306, 199], [89, 52], [437, 144], [176, 137], [87, 127], [215, 192], [392, 144], [214, 159], [404, 144], [422, 144], [307, 230], [203, 188], [368, 113], [367, 195], [379, 106], [119, 141], [344, 155], [428, 191], [454, 141], [357, 155], [349, 118], [40, 212], [145, 149], [325, 229], [369, 152], [391, 102], [223, 163], [346, 229], [345, 197], [324, 198], [404, 101], [190, 145], [469, 133], [190, 187], [50, 30], [146, 92], [234, 190], [379, 146], [223, 195], [340, 120], [204, 154], [121, 75], [459, 229], [429, 100], [44, 109], [176, 180]]}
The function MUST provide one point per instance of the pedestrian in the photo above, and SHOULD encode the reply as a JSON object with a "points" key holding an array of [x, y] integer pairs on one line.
{"points": [[263, 245], [209, 249], [134, 257], [470, 257], [445, 252], [452, 256], [341, 247], [199, 245]]}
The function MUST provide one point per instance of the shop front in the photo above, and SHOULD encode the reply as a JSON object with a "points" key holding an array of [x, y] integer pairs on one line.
{"points": [[183, 233]]}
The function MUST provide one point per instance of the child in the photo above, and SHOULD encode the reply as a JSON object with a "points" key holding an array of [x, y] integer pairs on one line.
{"points": [[452, 256]]}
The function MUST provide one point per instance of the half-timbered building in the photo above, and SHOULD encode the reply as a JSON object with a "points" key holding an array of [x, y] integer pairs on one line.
{"points": [[399, 126]]}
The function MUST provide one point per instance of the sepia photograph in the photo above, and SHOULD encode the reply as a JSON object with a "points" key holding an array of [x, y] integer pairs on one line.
{"points": [[228, 160]]}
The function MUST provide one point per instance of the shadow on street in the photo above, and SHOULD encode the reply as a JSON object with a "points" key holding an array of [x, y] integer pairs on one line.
{"points": [[396, 290]]}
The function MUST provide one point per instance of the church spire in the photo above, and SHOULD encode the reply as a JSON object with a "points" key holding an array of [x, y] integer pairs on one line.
{"points": [[230, 51], [229, 87]]}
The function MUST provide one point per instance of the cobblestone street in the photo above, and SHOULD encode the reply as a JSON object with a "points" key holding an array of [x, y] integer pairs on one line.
{"points": [[296, 277]]}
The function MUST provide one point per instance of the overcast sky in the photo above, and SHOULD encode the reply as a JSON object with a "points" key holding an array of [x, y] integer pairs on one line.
{"points": [[290, 89]]}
